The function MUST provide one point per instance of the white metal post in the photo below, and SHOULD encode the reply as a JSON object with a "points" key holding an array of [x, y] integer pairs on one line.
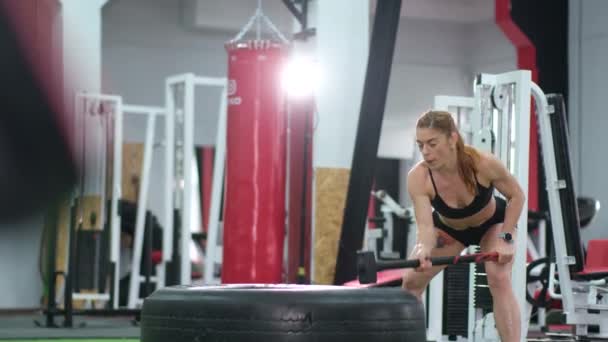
{"points": [[142, 203], [209, 81], [217, 186], [187, 191], [169, 171], [117, 167], [521, 164], [503, 98], [553, 188], [542, 251], [482, 134], [521, 79], [116, 194]]}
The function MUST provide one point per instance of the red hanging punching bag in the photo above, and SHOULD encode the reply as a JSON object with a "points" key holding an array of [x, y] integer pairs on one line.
{"points": [[254, 209]]}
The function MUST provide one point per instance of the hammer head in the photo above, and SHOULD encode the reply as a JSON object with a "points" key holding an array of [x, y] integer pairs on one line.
{"points": [[366, 267]]}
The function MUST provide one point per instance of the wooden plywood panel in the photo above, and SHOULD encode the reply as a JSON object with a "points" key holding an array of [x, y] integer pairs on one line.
{"points": [[132, 160], [63, 231], [90, 213], [331, 186]]}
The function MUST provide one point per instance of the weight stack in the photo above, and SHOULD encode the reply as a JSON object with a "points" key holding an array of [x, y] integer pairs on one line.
{"points": [[88, 261], [456, 300]]}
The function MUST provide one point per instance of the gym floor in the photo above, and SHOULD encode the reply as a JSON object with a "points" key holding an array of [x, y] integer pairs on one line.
{"points": [[72, 340], [30, 327]]}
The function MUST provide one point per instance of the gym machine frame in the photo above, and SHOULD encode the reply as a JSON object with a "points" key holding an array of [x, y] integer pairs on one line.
{"points": [[581, 308], [582, 303], [179, 175], [385, 232], [142, 202], [506, 96], [119, 109], [97, 100]]}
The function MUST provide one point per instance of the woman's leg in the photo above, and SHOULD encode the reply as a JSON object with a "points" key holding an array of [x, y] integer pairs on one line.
{"points": [[505, 306], [416, 282]]}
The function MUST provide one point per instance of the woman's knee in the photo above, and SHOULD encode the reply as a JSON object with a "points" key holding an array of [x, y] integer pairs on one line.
{"points": [[499, 276], [415, 282]]}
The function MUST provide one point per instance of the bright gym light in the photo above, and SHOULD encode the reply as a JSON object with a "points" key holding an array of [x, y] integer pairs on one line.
{"points": [[301, 77]]}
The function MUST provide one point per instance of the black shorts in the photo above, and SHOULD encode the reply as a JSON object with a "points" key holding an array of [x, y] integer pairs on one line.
{"points": [[473, 235]]}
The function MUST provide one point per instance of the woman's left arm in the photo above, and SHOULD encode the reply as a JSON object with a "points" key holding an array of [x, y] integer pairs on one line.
{"points": [[507, 185]]}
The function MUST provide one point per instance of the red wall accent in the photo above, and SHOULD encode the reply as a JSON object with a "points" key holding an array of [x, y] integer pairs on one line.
{"points": [[526, 59]]}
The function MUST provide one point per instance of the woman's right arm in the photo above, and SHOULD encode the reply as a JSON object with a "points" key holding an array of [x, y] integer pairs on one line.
{"points": [[422, 208], [426, 237]]}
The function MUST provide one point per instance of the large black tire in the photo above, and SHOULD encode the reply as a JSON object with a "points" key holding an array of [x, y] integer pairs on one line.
{"points": [[264, 313]]}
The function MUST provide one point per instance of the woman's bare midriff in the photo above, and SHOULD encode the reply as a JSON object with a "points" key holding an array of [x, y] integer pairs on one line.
{"points": [[474, 220]]}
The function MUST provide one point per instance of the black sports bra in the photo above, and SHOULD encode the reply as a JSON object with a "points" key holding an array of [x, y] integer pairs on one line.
{"points": [[484, 195]]}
